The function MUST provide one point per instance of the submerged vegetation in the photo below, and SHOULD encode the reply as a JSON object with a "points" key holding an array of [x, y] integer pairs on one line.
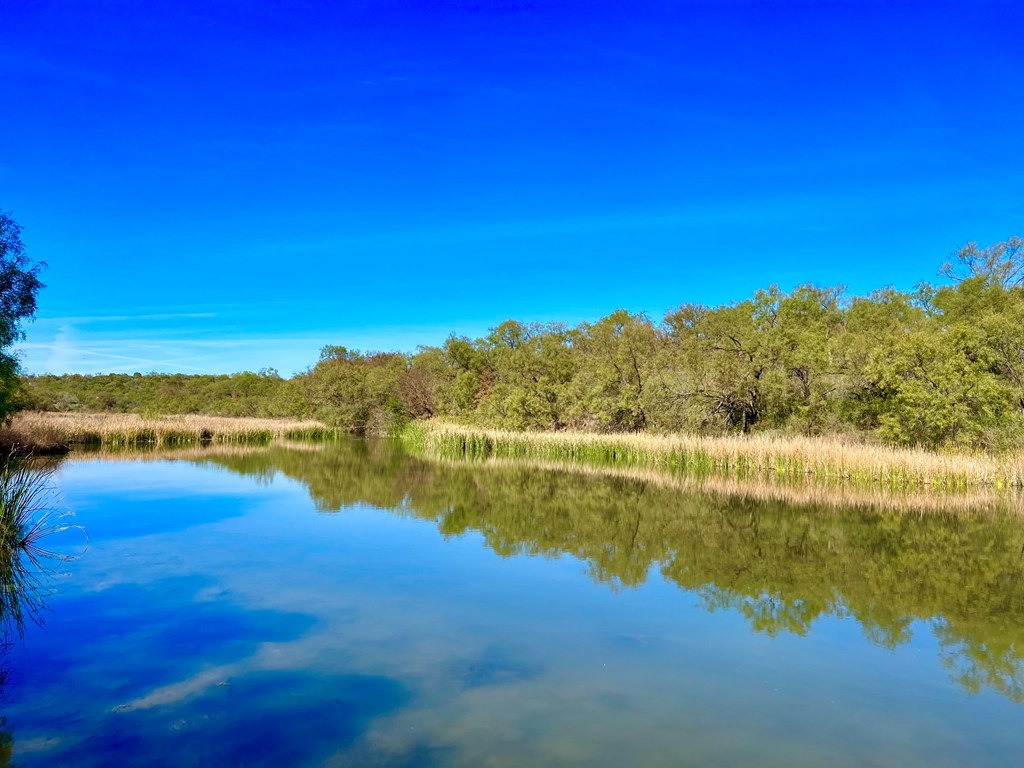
{"points": [[937, 368]]}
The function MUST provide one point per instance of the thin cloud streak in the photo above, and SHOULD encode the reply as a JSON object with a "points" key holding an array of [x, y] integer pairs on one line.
{"points": [[72, 350], [84, 319]]}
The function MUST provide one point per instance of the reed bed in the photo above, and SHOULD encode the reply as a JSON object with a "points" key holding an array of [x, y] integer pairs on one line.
{"points": [[820, 459], [43, 431]]}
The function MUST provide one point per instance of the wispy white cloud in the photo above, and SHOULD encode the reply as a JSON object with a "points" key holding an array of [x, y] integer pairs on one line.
{"points": [[85, 319], [211, 342], [62, 350]]}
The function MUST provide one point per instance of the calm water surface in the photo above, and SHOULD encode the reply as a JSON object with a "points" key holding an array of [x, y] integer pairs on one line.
{"points": [[349, 605]]}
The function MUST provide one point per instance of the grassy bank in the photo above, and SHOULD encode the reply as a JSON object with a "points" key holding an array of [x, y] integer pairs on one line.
{"points": [[781, 457], [53, 432]]}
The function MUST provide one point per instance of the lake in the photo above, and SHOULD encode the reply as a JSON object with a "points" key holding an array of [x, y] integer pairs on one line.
{"points": [[347, 604]]}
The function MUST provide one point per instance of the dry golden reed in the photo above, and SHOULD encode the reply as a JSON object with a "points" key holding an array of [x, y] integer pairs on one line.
{"points": [[34, 429], [821, 459]]}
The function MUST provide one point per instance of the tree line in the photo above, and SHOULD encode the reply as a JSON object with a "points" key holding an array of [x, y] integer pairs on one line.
{"points": [[937, 366]]}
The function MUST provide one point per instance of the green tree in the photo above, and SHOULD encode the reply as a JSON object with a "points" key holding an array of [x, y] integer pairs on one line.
{"points": [[19, 284], [465, 376], [939, 391], [616, 371], [356, 391], [717, 366], [532, 364], [875, 327], [997, 264]]}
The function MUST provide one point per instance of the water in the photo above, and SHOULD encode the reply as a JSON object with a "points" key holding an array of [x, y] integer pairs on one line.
{"points": [[349, 605]]}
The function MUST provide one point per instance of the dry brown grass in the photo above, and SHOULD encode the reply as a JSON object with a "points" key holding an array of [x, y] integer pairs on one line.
{"points": [[48, 431]]}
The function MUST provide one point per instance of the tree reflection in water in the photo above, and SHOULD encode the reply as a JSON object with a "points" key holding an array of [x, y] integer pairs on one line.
{"points": [[781, 565]]}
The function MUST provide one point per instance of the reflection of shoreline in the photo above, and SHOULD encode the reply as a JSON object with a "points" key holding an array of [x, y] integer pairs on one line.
{"points": [[801, 491], [134, 453], [781, 554], [771, 488]]}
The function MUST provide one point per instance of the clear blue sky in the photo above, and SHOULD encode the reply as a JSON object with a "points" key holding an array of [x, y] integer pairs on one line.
{"points": [[229, 188]]}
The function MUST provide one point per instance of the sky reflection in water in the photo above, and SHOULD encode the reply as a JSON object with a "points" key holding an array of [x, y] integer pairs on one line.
{"points": [[346, 606]]}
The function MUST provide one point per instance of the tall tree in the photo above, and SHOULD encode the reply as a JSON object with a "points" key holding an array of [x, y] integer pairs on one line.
{"points": [[617, 364], [19, 284], [997, 264]]}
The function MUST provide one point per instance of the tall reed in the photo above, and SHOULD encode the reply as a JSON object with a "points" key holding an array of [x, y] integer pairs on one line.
{"points": [[782, 457], [121, 430]]}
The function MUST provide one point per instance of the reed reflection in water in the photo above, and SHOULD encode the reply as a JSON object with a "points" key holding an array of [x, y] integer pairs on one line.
{"points": [[351, 604], [782, 555]]}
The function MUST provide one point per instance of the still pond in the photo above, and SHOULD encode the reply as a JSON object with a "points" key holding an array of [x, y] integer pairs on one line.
{"points": [[351, 605]]}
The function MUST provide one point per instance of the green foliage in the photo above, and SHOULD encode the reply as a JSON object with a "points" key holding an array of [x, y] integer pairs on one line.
{"points": [[1000, 264], [941, 367], [356, 392], [940, 391], [618, 365], [765, 362], [530, 366], [19, 284], [262, 394]]}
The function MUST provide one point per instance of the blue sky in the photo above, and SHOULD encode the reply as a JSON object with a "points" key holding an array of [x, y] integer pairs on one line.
{"points": [[231, 187]]}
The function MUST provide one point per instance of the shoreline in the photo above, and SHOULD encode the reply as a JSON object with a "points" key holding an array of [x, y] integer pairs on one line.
{"points": [[43, 433], [818, 459], [806, 458]]}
